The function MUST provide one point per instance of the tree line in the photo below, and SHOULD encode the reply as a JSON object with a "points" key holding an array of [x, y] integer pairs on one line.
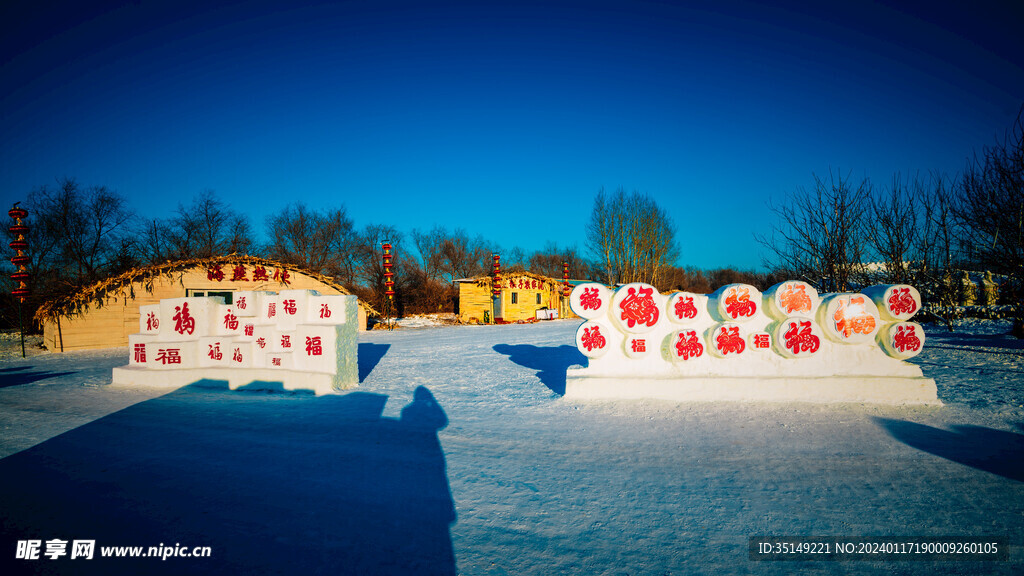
{"points": [[923, 229]]}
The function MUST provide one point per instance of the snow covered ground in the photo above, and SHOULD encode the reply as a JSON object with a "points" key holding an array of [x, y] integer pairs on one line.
{"points": [[457, 454]]}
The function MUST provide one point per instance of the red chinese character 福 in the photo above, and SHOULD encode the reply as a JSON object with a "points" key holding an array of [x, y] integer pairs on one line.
{"points": [[762, 340], [183, 321], [275, 361], [854, 318], [286, 341], [241, 304], [590, 299], [689, 346], [313, 346], [237, 355], [152, 322], [729, 341], [169, 356], [140, 352], [794, 298], [325, 312], [800, 339], [901, 302], [738, 303], [271, 309], [231, 321], [592, 338], [215, 352], [639, 345], [638, 307], [248, 330], [685, 308], [906, 339], [289, 307]]}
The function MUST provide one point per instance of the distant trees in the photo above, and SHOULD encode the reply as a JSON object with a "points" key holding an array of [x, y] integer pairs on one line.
{"points": [[821, 233], [207, 227], [78, 235], [631, 237], [319, 241]]}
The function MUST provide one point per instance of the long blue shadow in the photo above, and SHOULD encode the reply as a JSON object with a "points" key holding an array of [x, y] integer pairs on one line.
{"points": [[272, 483], [995, 451], [550, 362], [16, 377], [369, 356]]}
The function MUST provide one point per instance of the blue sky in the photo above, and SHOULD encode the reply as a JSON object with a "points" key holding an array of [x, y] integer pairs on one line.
{"points": [[500, 118]]}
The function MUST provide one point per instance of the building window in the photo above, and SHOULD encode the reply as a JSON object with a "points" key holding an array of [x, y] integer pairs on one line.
{"points": [[515, 298], [193, 293], [538, 298]]}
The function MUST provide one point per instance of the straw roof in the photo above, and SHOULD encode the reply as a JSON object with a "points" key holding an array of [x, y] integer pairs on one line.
{"points": [[505, 274], [114, 287]]}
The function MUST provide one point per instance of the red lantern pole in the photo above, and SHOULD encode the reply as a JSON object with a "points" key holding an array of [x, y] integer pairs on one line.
{"points": [[566, 288], [496, 287], [389, 285], [20, 260]]}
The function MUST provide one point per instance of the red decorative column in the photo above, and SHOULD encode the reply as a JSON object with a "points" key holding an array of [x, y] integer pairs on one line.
{"points": [[496, 290], [389, 285], [20, 261]]}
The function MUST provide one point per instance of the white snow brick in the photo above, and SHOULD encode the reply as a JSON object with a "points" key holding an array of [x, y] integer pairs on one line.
{"points": [[590, 301], [149, 319], [214, 351], [188, 318], [247, 304], [142, 350], [791, 298], [735, 303], [327, 309], [687, 308], [849, 318], [293, 307], [902, 339], [226, 321]]}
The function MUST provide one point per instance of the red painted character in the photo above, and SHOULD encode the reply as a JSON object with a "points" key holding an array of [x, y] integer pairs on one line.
{"points": [[738, 303], [906, 339], [215, 273], [215, 352], [238, 274], [313, 346], [169, 356], [901, 302], [799, 338], [685, 308], [152, 323], [231, 321], [592, 338], [241, 304], [762, 341], [729, 341], [237, 356], [794, 298], [590, 299], [638, 307], [286, 341], [260, 274], [249, 329], [639, 345], [261, 342], [689, 346], [140, 352], [853, 318], [289, 307], [183, 322], [325, 312]]}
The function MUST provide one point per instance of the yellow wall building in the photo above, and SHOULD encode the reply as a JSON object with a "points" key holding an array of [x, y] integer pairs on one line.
{"points": [[522, 295], [103, 315]]}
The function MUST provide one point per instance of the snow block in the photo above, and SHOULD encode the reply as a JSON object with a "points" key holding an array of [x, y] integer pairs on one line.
{"points": [[788, 345], [149, 319], [183, 318], [791, 298], [590, 300], [895, 302], [203, 339]]}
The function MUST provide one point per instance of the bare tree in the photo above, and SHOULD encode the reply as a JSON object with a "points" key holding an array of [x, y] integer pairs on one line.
{"points": [[631, 237], [820, 234], [207, 227], [894, 227], [319, 241], [79, 234]]}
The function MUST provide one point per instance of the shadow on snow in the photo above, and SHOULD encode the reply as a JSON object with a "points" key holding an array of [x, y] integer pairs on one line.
{"points": [[279, 483], [995, 451], [16, 377], [550, 362], [369, 356]]}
